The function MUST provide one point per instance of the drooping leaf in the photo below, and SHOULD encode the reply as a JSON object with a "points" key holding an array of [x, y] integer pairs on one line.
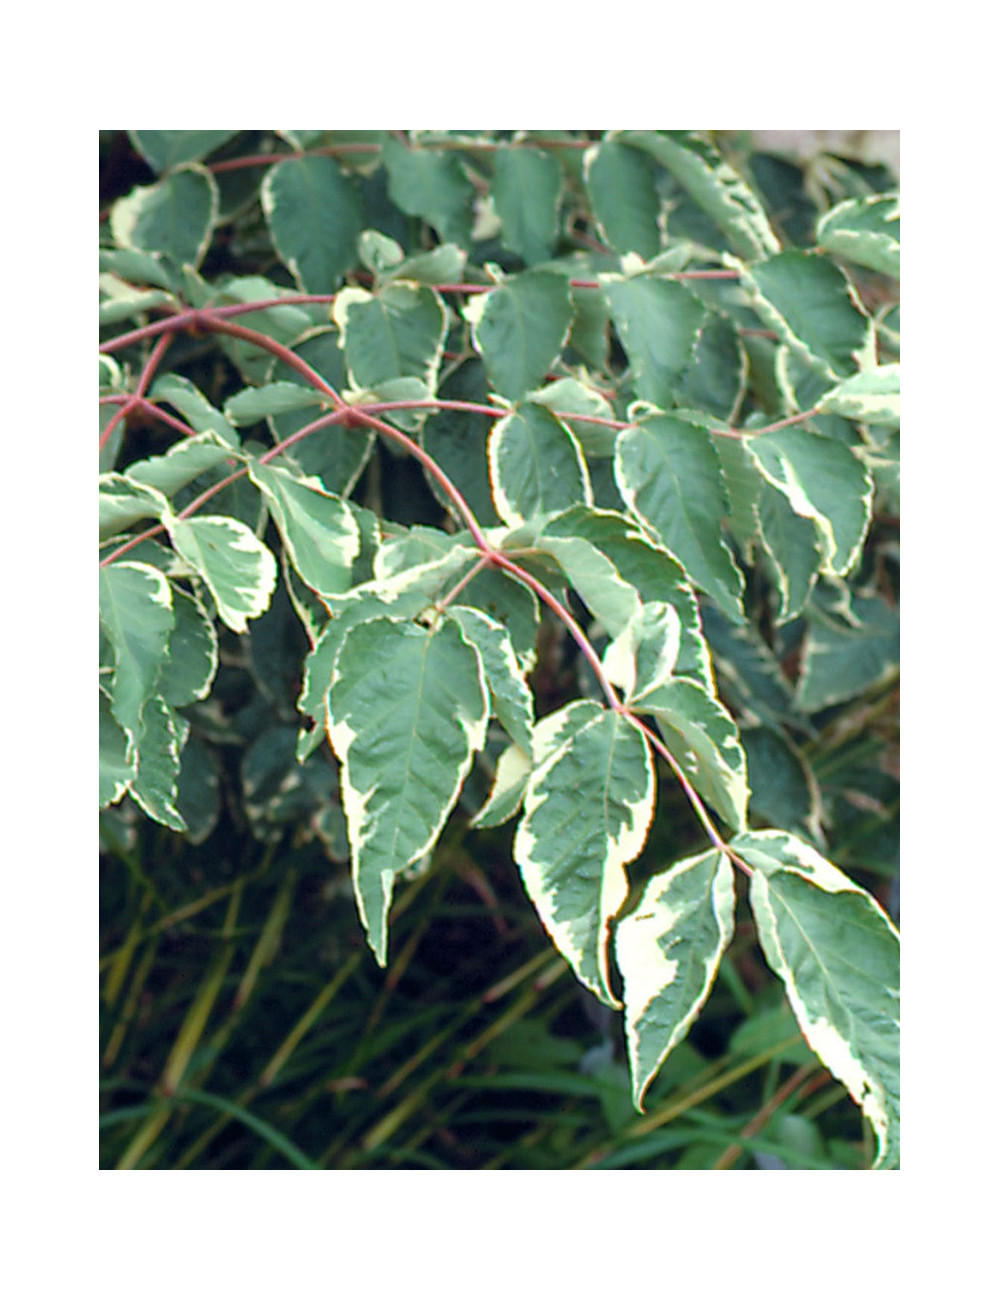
{"points": [[525, 193], [793, 546], [668, 471], [714, 185], [164, 150], [407, 710], [841, 661], [238, 570], [587, 810], [115, 768], [314, 213], [519, 329], [864, 231], [717, 380], [175, 216], [536, 465], [136, 612], [192, 652], [783, 789], [704, 741], [621, 184], [658, 322], [317, 528], [644, 655], [604, 555], [837, 954], [510, 780], [154, 786], [822, 481], [512, 702], [668, 951]]}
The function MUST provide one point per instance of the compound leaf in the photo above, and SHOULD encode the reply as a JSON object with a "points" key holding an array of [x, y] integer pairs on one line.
{"points": [[513, 703]]}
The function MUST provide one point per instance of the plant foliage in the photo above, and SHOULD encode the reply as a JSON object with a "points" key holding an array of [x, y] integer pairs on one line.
{"points": [[532, 488]]}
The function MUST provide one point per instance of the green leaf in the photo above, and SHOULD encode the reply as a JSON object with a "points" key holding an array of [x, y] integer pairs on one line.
{"points": [[658, 322], [432, 186], [510, 780], [604, 555], [525, 192], [190, 402], [154, 787], [841, 662], [164, 150], [254, 404], [116, 769], [822, 481], [122, 503], [192, 652], [182, 463], [587, 810], [175, 216], [407, 710], [621, 185], [536, 465], [397, 332], [792, 544], [457, 442], [512, 702], [871, 397], [120, 301], [668, 471], [837, 954], [569, 397], [359, 606], [704, 741], [238, 570], [284, 323], [864, 231], [336, 455], [814, 308], [519, 329], [783, 789], [317, 528], [137, 615], [668, 951], [717, 381], [314, 213], [713, 184], [644, 655]]}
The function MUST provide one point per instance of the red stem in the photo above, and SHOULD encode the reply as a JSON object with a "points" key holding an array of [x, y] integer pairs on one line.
{"points": [[145, 379]]}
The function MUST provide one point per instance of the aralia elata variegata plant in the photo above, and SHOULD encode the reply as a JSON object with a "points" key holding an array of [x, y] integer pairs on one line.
{"points": [[617, 432]]}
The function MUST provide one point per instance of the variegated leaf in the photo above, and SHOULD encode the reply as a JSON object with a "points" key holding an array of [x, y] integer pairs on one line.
{"points": [[587, 811]]}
